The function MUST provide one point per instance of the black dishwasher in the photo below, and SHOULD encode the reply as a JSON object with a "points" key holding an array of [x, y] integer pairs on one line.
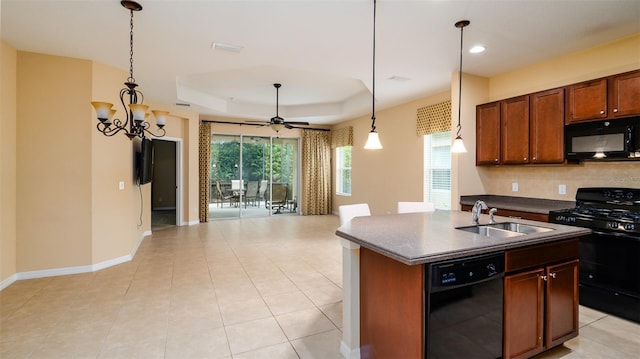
{"points": [[465, 306]]}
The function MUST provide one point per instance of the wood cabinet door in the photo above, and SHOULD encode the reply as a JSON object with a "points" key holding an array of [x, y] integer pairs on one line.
{"points": [[488, 134], [547, 127], [515, 130], [523, 314], [587, 101], [561, 310], [625, 94]]}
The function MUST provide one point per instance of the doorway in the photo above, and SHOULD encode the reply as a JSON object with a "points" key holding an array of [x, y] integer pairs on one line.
{"points": [[165, 198], [253, 176]]}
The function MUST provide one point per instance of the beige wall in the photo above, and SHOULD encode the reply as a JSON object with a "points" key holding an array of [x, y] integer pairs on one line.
{"points": [[53, 162], [383, 177], [8, 110], [61, 203]]}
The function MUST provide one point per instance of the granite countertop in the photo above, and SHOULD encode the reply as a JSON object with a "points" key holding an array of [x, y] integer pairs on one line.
{"points": [[418, 238], [522, 204]]}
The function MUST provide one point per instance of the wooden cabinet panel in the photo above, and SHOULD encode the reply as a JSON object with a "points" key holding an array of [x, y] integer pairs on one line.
{"points": [[488, 134], [587, 101], [540, 296], [391, 307], [547, 127], [515, 130], [562, 303], [523, 314], [625, 94]]}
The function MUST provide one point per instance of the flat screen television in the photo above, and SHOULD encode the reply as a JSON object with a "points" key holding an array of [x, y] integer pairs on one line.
{"points": [[145, 161]]}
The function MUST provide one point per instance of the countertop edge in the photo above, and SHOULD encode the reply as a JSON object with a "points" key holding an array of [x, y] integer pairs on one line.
{"points": [[512, 244]]}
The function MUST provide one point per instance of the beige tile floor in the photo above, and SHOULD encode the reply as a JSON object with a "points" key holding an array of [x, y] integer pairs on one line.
{"points": [[250, 288]]}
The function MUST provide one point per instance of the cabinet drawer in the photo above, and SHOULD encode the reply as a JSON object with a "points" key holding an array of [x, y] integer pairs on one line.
{"points": [[540, 254]]}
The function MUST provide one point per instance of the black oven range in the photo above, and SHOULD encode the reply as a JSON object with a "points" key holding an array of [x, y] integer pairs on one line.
{"points": [[610, 256]]}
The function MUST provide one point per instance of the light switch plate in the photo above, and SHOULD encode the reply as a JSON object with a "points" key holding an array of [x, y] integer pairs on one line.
{"points": [[562, 189], [514, 187]]}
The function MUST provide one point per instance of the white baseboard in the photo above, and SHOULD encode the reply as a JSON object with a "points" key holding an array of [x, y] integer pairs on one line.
{"points": [[7, 282], [347, 352], [75, 269], [193, 223]]}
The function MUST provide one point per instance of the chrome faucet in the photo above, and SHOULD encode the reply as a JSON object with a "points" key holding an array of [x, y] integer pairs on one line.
{"points": [[492, 212], [477, 209]]}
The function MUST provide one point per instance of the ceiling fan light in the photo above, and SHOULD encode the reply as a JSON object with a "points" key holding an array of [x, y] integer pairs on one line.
{"points": [[277, 127], [373, 142]]}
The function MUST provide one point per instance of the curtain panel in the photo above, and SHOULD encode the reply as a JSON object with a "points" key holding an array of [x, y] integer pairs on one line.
{"points": [[434, 118], [316, 172], [204, 168]]}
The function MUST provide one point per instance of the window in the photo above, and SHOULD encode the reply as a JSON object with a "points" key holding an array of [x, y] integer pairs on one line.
{"points": [[343, 170], [437, 169]]}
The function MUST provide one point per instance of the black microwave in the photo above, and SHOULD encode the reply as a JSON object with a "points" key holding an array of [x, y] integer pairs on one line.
{"points": [[617, 139]]}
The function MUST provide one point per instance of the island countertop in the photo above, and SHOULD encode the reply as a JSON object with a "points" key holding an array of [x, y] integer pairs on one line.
{"points": [[418, 238]]}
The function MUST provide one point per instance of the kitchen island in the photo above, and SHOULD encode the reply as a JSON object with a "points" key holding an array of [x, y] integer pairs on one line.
{"points": [[386, 269]]}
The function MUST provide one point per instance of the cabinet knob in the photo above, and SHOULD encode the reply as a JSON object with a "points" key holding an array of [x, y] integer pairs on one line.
{"points": [[544, 277], [496, 160], [534, 158], [552, 274], [602, 112], [525, 159], [615, 110]]}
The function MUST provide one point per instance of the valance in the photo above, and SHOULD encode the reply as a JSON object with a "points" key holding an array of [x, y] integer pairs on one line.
{"points": [[342, 137], [434, 118]]}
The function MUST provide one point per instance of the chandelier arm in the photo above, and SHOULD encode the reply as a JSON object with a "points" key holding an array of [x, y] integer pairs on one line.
{"points": [[110, 130], [161, 132], [123, 92]]}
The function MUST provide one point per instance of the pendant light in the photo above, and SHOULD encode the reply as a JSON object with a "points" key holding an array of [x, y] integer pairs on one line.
{"points": [[458, 144], [373, 141]]}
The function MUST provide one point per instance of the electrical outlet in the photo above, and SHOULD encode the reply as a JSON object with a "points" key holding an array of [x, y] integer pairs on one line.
{"points": [[514, 187], [121, 185], [562, 189]]}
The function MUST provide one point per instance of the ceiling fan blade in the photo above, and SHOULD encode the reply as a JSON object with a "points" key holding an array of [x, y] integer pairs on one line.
{"points": [[297, 123], [256, 121]]}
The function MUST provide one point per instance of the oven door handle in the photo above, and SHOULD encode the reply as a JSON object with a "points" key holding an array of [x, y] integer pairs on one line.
{"points": [[616, 234]]}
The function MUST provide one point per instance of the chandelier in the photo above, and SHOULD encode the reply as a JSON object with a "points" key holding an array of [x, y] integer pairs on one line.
{"points": [[135, 124]]}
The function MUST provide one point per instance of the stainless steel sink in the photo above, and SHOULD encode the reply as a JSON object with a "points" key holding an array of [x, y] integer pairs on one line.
{"points": [[504, 229]]}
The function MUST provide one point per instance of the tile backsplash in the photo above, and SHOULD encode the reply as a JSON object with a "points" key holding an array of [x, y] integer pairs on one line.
{"points": [[539, 181]]}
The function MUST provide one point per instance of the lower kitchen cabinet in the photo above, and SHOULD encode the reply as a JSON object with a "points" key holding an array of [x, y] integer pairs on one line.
{"points": [[540, 298]]}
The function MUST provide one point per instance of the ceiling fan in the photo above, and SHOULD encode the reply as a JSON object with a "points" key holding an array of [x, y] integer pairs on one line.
{"points": [[277, 123]]}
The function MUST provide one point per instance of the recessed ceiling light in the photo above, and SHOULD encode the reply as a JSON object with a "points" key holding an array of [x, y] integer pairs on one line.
{"points": [[226, 47], [477, 49]]}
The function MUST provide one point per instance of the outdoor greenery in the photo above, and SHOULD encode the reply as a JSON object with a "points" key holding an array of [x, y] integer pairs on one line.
{"points": [[225, 160]]}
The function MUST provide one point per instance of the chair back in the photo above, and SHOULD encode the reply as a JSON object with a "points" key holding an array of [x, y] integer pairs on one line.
{"points": [[414, 207], [278, 193], [236, 185], [349, 211], [263, 188], [252, 189], [218, 188]]}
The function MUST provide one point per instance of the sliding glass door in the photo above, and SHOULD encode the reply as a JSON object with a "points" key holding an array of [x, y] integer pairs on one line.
{"points": [[253, 176]]}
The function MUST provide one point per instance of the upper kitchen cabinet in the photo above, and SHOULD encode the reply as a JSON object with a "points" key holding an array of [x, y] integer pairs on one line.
{"points": [[624, 97], [488, 134], [587, 101], [515, 130], [547, 127], [606, 98]]}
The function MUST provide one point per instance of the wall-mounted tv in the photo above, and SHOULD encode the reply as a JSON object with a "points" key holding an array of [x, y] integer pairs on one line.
{"points": [[145, 161]]}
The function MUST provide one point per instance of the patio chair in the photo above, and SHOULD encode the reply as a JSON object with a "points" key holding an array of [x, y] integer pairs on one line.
{"points": [[278, 197], [252, 193], [224, 197]]}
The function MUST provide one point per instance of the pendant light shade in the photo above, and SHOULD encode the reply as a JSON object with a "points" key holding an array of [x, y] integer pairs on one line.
{"points": [[373, 141], [458, 144]]}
